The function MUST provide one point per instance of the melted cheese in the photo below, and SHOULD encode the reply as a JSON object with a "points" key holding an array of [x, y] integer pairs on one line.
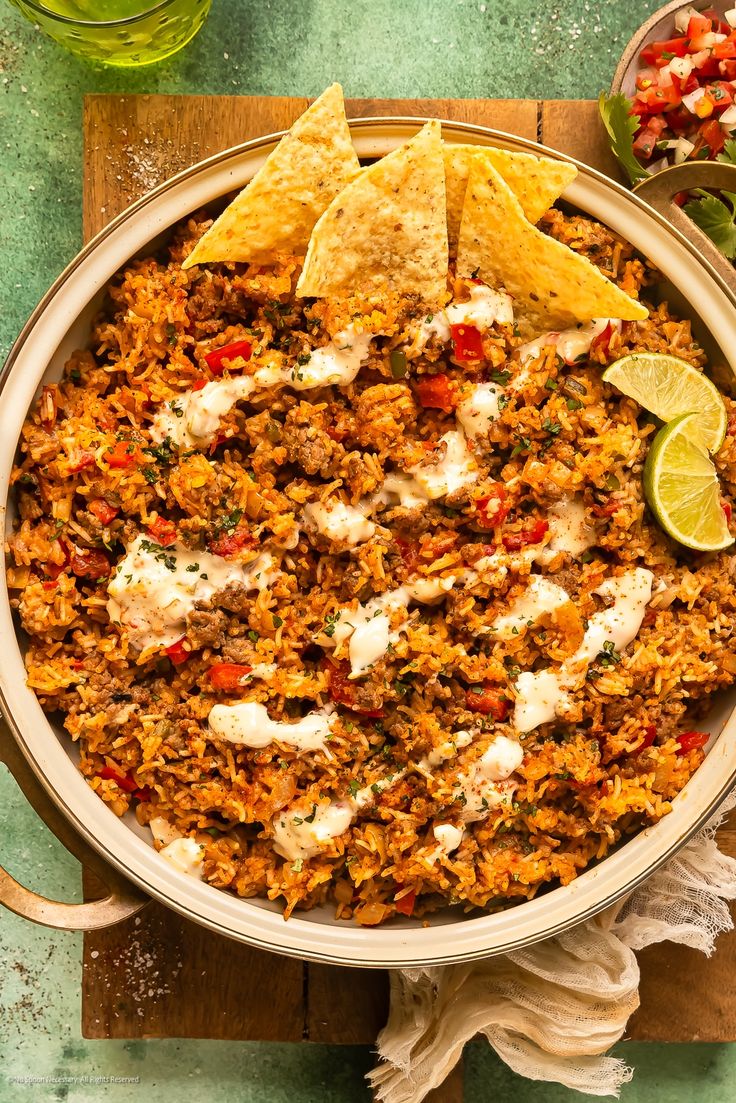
{"points": [[448, 836], [456, 469], [540, 597], [154, 589], [476, 412], [339, 522], [542, 696], [249, 725], [186, 855], [368, 627]]}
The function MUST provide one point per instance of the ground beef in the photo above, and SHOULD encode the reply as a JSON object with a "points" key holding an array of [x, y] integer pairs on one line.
{"points": [[206, 626], [308, 443], [234, 599]]}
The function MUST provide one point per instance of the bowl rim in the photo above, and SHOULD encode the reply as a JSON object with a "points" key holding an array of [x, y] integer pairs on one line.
{"points": [[402, 944]]}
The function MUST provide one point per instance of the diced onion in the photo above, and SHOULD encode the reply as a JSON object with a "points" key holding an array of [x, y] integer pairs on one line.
{"points": [[730, 17], [683, 18], [728, 118], [692, 98], [683, 149], [682, 67]]}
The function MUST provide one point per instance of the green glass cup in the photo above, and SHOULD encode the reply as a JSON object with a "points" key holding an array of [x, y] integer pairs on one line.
{"points": [[118, 32]]}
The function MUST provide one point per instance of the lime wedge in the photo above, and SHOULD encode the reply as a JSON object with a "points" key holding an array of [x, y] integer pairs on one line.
{"points": [[682, 488], [667, 387]]}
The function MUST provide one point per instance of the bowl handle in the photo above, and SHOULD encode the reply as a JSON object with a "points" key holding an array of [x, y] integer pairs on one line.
{"points": [[659, 191], [123, 899]]}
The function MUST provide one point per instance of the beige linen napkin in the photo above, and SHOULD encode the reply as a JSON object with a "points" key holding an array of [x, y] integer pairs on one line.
{"points": [[552, 1011]]}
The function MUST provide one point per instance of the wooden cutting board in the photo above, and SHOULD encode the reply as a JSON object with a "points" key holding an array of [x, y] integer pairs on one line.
{"points": [[160, 975]]}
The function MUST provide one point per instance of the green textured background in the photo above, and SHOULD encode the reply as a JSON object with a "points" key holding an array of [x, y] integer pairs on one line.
{"points": [[499, 48]]}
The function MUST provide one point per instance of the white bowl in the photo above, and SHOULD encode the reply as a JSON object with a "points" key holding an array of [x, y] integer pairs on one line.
{"points": [[60, 324]]}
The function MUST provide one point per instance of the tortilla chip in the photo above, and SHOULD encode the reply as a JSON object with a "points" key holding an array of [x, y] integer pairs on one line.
{"points": [[278, 209], [387, 230], [535, 181], [552, 287]]}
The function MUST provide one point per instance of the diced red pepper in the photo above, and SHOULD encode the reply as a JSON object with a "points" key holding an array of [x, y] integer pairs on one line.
{"points": [[199, 385], [405, 906], [82, 460], [689, 741], [219, 359], [650, 734], [342, 690], [143, 794], [163, 532], [607, 508], [102, 510], [107, 773], [492, 508], [654, 50], [488, 701], [603, 340], [89, 563], [726, 507], [531, 533], [123, 454], [229, 676], [178, 653], [467, 343], [230, 543], [435, 393]]}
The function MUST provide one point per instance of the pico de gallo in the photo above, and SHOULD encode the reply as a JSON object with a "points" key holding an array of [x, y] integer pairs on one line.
{"points": [[686, 91]]}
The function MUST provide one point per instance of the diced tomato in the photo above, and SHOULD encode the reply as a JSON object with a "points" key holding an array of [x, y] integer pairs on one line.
{"points": [[658, 99], [725, 49], [163, 532], [493, 508], [405, 906], [467, 343], [124, 781], [652, 53], [645, 142], [124, 453], [697, 25], [219, 359], [719, 93], [89, 563], [342, 690], [230, 543], [683, 86], [199, 385], [531, 533], [727, 69], [229, 676], [82, 460], [689, 741], [718, 24], [709, 68], [178, 653], [435, 393], [488, 701], [714, 136], [102, 510]]}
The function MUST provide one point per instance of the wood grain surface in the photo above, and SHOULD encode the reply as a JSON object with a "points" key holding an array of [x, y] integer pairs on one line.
{"points": [[160, 975]]}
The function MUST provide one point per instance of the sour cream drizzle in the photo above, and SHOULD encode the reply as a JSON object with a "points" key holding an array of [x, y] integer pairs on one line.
{"points": [[540, 597], [571, 344], [483, 309], [542, 696], [249, 725], [154, 589], [301, 833], [192, 419], [368, 627]]}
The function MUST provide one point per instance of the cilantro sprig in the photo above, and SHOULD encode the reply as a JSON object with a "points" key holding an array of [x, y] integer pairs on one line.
{"points": [[622, 125], [715, 218]]}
